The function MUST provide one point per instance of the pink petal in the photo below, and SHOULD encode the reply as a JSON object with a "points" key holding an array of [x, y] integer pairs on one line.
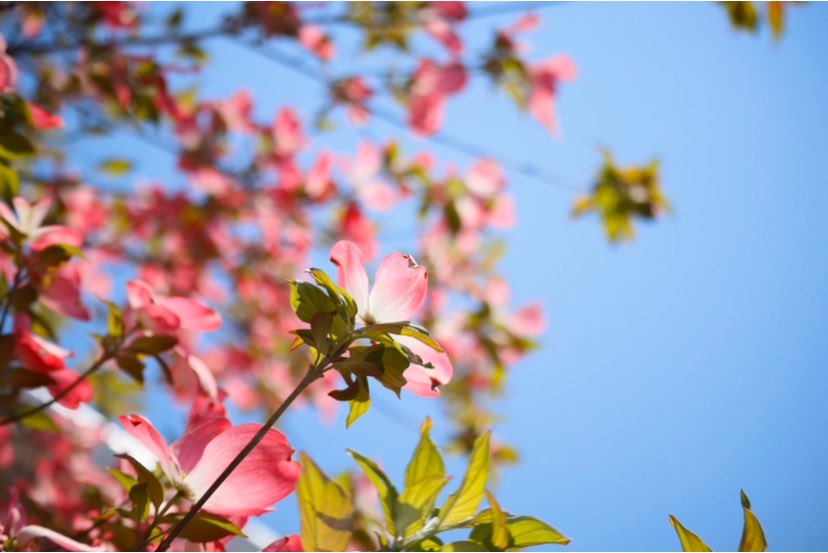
{"points": [[31, 532], [64, 294], [425, 113], [139, 294], [81, 393], [143, 431], [190, 447], [400, 289], [44, 120], [56, 234], [423, 381], [352, 276], [192, 314], [528, 321], [290, 543], [34, 352], [263, 478]]}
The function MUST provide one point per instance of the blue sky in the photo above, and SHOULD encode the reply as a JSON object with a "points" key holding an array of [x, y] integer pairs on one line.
{"points": [[676, 369]]}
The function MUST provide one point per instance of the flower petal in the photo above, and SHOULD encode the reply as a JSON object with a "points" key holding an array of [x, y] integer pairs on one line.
{"points": [[400, 289], [193, 315], [143, 431], [423, 381], [352, 276], [263, 478], [289, 543], [31, 532], [190, 447], [81, 393]]}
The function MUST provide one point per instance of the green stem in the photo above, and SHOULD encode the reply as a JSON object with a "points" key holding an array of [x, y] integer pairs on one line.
{"points": [[313, 373]]}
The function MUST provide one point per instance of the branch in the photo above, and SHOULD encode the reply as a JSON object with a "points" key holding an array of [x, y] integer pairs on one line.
{"points": [[313, 373], [63, 393]]}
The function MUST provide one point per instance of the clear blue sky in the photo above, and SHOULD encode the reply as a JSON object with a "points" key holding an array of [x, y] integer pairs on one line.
{"points": [[677, 369]]}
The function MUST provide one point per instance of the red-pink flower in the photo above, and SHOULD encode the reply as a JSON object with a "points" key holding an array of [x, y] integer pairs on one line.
{"points": [[432, 84], [315, 39], [27, 219], [398, 295], [544, 79], [287, 133], [168, 314], [36, 353], [43, 119], [289, 543], [8, 70], [266, 476], [63, 293]]}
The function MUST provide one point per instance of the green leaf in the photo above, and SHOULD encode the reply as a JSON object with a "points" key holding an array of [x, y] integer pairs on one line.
{"points": [[753, 537], [500, 532], [152, 345], [115, 167], [521, 532], [404, 328], [155, 491], [426, 460], [126, 481], [387, 492], [325, 509], [415, 504], [335, 292], [689, 540], [465, 545], [462, 504], [139, 496], [308, 300], [360, 404], [207, 527], [40, 421], [131, 365], [9, 182], [115, 320], [14, 145]]}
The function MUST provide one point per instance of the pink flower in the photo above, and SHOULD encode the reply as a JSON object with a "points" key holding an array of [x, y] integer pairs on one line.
{"points": [[544, 79], [398, 294], [289, 543], [36, 353], [266, 476], [432, 84], [63, 294], [287, 133], [8, 70], [317, 41], [27, 219], [169, 314], [82, 392], [44, 120], [355, 93]]}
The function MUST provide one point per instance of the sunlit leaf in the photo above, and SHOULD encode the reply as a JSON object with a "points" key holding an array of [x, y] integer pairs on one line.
{"points": [[462, 504], [325, 509], [689, 540], [387, 492], [753, 537], [426, 460]]}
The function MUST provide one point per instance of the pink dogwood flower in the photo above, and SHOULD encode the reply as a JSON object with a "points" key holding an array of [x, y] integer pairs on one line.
{"points": [[8, 70], [398, 294], [169, 314], [27, 219], [43, 119], [194, 462], [544, 79], [288, 543]]}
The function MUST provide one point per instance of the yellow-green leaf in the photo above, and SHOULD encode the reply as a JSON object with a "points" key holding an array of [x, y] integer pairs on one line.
{"points": [[462, 504], [360, 404], [529, 532], [416, 503], [776, 17], [386, 490], [115, 167], [689, 540], [207, 527], [500, 533], [426, 460], [325, 509], [753, 537]]}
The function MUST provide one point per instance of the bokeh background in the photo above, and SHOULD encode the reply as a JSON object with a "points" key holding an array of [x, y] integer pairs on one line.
{"points": [[676, 369]]}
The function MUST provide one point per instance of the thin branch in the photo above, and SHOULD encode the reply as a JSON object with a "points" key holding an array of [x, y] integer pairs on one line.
{"points": [[312, 375], [62, 394]]}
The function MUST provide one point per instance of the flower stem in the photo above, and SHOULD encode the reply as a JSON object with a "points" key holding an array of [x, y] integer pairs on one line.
{"points": [[63, 393], [313, 374]]}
